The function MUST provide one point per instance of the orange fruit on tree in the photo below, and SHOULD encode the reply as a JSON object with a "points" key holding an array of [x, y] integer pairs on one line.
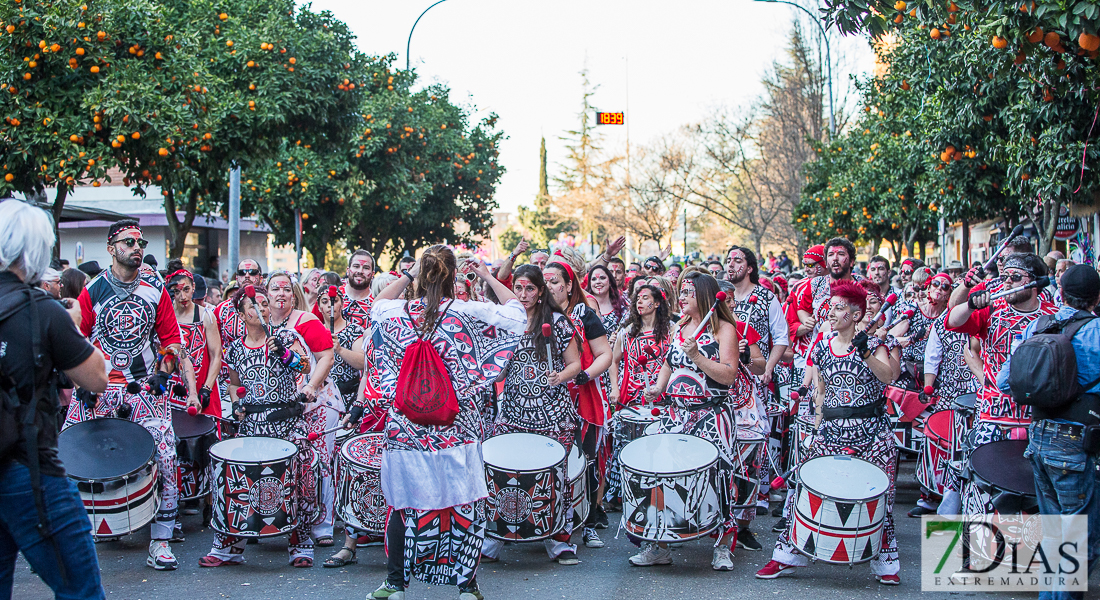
{"points": [[229, 43], [26, 76], [101, 35], [250, 64], [163, 152], [9, 177], [94, 69], [223, 16], [934, 34], [999, 42], [899, 19], [1036, 35], [292, 60], [1088, 41], [1052, 39], [10, 28], [899, 5], [74, 138]]}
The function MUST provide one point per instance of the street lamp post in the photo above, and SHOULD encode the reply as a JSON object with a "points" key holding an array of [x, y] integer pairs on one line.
{"points": [[828, 56], [408, 45]]}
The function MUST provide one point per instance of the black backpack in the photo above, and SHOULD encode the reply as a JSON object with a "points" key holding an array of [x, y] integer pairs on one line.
{"points": [[1043, 372], [15, 413]]}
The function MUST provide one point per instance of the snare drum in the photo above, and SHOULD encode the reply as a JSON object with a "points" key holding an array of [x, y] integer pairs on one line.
{"points": [[359, 499], [840, 509], [114, 466], [1000, 470], [525, 474], [939, 431], [633, 422], [965, 403], [343, 435], [800, 432], [670, 491], [195, 434], [255, 492], [576, 468]]}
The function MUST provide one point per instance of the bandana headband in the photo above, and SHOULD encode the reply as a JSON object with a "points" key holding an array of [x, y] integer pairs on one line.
{"points": [[943, 276], [124, 230], [815, 253], [183, 272], [1016, 261]]}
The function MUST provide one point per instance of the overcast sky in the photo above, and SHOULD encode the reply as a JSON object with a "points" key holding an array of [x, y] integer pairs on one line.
{"points": [[665, 64]]}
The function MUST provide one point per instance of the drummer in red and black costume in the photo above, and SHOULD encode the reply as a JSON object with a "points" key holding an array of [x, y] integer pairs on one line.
{"points": [[267, 367], [355, 293], [802, 334], [128, 316], [230, 325], [850, 370], [201, 340], [322, 413], [536, 399], [698, 378], [564, 273], [758, 306], [1000, 326], [637, 355]]}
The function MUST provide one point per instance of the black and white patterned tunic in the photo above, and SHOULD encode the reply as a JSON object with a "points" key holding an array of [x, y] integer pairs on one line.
{"points": [[267, 381], [529, 403], [342, 373], [919, 325]]}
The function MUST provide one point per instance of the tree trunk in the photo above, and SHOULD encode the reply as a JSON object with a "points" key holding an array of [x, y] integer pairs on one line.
{"points": [[178, 230], [58, 206], [921, 248], [1052, 209], [318, 251], [873, 250]]}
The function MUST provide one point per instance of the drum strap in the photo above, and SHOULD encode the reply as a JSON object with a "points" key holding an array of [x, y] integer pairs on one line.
{"points": [[859, 412]]}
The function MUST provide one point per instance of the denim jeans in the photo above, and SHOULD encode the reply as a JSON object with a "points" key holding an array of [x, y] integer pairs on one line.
{"points": [[72, 532], [1066, 484]]}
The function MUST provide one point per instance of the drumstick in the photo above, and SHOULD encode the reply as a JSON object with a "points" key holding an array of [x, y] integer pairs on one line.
{"points": [[643, 360], [332, 308], [250, 292], [313, 435], [719, 298], [548, 332]]}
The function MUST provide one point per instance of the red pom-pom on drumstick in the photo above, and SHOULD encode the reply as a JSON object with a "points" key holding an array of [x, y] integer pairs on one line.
{"points": [[191, 410], [332, 291], [753, 299], [655, 411], [241, 391], [720, 296], [795, 395], [928, 390], [250, 291], [312, 436], [547, 330]]}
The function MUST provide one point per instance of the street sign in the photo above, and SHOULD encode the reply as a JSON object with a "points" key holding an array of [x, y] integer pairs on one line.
{"points": [[1067, 225], [610, 118]]}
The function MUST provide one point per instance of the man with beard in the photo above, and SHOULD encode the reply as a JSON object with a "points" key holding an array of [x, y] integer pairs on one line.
{"points": [[129, 317], [356, 293], [230, 325], [1000, 326], [813, 265], [813, 299], [756, 305], [972, 281]]}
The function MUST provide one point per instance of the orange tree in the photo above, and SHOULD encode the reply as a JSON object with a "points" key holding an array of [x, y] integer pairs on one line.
{"points": [[434, 173], [277, 75], [84, 83]]}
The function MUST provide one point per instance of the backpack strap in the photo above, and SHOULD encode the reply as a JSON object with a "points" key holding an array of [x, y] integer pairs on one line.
{"points": [[437, 322], [1076, 322]]}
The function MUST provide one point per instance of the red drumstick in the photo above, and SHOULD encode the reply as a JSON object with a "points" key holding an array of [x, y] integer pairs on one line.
{"points": [[313, 435], [332, 292], [719, 298], [548, 333]]}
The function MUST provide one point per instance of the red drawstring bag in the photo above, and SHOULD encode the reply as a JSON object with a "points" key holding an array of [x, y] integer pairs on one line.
{"points": [[424, 391]]}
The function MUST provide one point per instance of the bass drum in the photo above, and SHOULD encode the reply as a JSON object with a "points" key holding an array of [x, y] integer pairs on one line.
{"points": [[525, 474], [195, 434], [359, 499], [113, 462], [840, 509], [255, 491], [670, 487], [576, 467]]}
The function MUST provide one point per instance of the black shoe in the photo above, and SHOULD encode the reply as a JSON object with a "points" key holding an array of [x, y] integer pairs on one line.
{"points": [[568, 558], [746, 540], [780, 526], [918, 511], [601, 519], [761, 511], [777, 511], [177, 535]]}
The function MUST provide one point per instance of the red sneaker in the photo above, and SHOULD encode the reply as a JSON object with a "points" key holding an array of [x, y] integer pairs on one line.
{"points": [[888, 579], [773, 569]]}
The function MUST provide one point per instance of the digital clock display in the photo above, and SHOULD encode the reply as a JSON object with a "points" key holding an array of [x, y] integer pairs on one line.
{"points": [[610, 118]]}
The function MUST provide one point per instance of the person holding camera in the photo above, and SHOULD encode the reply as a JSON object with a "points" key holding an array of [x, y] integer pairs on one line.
{"points": [[41, 513], [1064, 437]]}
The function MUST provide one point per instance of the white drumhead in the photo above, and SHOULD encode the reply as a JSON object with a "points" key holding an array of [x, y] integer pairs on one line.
{"points": [[253, 449], [844, 477], [522, 451], [668, 453], [576, 464]]}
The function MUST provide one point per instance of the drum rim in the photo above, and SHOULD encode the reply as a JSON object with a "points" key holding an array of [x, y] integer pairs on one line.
{"points": [[235, 461], [708, 465], [151, 461], [934, 434], [347, 441], [694, 536], [633, 410], [213, 425], [978, 478], [831, 497]]}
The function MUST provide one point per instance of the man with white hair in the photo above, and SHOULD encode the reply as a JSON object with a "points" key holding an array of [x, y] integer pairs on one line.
{"points": [[51, 282], [41, 513]]}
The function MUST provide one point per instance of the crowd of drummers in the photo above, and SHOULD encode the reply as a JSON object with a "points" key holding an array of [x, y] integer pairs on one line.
{"points": [[681, 400]]}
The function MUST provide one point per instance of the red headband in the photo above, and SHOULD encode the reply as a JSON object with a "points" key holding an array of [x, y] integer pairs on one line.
{"points": [[183, 272], [123, 230], [564, 265], [943, 276]]}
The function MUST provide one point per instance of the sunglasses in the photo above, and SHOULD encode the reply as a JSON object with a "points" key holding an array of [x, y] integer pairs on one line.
{"points": [[131, 242], [248, 271], [1015, 277], [941, 286], [906, 272]]}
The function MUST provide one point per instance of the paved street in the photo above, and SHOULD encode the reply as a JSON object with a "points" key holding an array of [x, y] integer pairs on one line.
{"points": [[524, 572]]}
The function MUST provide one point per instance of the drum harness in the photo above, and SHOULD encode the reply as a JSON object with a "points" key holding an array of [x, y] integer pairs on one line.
{"points": [[17, 413]]}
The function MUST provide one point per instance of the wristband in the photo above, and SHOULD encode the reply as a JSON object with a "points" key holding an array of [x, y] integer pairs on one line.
{"points": [[406, 273]]}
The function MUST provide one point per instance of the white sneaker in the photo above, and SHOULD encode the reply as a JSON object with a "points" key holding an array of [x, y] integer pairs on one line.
{"points": [[723, 560], [161, 557], [651, 555]]}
